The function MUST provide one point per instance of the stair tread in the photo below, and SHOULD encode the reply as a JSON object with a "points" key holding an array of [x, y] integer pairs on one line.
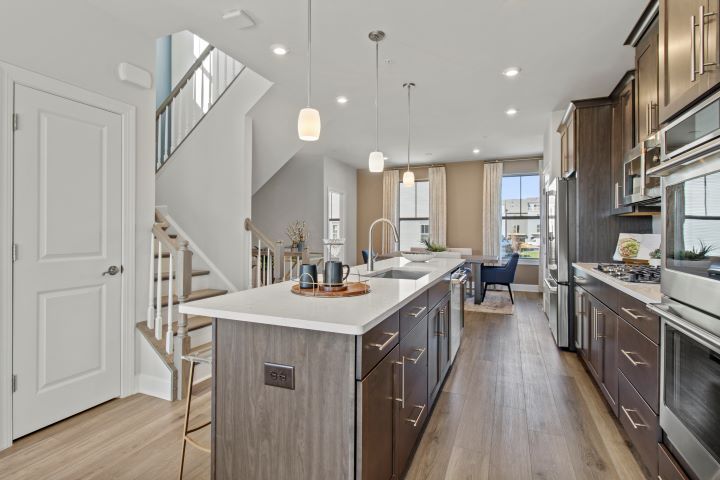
{"points": [[195, 273], [196, 295], [200, 348], [164, 255], [195, 322]]}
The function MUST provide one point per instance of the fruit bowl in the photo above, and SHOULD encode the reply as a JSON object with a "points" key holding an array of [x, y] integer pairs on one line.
{"points": [[418, 256]]}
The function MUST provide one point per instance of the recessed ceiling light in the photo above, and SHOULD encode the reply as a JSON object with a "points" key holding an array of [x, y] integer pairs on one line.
{"points": [[342, 99], [385, 158], [476, 151], [511, 71], [279, 50], [511, 112]]}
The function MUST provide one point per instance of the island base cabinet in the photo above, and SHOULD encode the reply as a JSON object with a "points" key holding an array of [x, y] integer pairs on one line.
{"points": [[374, 455], [438, 347], [411, 394]]}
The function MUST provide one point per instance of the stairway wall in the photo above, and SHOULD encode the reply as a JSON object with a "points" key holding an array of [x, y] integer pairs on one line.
{"points": [[206, 184]]}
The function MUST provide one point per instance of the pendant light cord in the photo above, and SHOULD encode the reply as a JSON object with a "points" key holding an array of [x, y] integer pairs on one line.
{"points": [[309, 65], [377, 96], [409, 86]]}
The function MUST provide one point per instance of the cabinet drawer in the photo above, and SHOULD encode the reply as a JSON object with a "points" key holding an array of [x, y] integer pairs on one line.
{"points": [[640, 423], [412, 313], [437, 292], [639, 360], [637, 315], [668, 469], [375, 344], [412, 411], [598, 289]]}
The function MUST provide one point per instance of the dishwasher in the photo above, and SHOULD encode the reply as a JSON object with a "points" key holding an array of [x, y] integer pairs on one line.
{"points": [[458, 282]]}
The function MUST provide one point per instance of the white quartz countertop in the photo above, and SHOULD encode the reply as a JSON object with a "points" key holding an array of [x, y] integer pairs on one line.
{"points": [[645, 292], [277, 305]]}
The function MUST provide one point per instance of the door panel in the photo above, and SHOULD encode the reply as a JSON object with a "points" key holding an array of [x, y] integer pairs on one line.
{"points": [[68, 227]]}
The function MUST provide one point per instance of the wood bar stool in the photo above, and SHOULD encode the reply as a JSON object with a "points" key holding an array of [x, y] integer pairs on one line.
{"points": [[205, 357]]}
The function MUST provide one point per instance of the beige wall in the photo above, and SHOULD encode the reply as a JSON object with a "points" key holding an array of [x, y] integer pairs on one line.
{"points": [[464, 207]]}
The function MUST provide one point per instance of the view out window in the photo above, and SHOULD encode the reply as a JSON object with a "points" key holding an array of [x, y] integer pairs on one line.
{"points": [[334, 210], [520, 228], [414, 214]]}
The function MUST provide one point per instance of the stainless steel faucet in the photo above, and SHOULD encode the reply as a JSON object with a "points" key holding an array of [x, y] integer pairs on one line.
{"points": [[371, 258]]}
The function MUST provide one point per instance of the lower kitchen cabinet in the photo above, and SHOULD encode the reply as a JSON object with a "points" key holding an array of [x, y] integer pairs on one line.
{"points": [[595, 345], [668, 468], [375, 420], [412, 394], [640, 423], [438, 347], [610, 351]]}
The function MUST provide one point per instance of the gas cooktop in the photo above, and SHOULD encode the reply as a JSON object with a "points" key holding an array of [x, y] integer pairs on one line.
{"points": [[631, 273]]}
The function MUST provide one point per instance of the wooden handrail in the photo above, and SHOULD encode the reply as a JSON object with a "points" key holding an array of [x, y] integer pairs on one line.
{"points": [[185, 78], [250, 227]]}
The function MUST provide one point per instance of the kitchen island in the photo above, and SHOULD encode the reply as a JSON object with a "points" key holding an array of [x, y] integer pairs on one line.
{"points": [[309, 388]]}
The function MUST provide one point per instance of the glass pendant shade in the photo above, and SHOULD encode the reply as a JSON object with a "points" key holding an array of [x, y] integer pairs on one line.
{"points": [[309, 124], [376, 162], [408, 179]]}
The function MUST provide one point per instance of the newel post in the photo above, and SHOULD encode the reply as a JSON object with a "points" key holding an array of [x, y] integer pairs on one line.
{"points": [[183, 277]]}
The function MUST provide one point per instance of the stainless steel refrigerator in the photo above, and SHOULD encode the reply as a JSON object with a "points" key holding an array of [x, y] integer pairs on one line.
{"points": [[560, 207]]}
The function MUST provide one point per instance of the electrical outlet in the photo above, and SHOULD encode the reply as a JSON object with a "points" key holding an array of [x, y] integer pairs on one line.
{"points": [[277, 375]]}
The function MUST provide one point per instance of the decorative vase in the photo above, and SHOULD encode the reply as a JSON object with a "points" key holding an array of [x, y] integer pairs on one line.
{"points": [[301, 246]]}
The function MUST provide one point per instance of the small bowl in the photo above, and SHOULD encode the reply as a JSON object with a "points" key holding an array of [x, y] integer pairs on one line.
{"points": [[418, 256]]}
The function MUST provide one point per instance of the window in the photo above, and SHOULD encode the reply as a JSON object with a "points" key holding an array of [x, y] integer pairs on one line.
{"points": [[414, 215], [334, 213], [520, 228]]}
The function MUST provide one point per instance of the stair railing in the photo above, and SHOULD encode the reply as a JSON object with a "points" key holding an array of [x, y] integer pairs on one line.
{"points": [[266, 257], [207, 79], [179, 285]]}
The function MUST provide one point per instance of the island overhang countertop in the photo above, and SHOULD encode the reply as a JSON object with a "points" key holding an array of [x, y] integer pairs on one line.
{"points": [[277, 305]]}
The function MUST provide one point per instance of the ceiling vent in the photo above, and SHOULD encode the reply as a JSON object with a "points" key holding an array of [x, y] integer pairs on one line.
{"points": [[240, 18]]}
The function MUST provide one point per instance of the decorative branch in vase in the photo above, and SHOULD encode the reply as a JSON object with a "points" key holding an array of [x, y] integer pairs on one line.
{"points": [[298, 235]]}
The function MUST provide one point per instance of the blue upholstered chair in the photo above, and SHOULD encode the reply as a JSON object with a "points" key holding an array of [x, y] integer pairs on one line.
{"points": [[365, 255], [504, 275]]}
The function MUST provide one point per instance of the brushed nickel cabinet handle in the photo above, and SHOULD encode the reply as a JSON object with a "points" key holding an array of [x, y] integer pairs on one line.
{"points": [[701, 15], [634, 362], [647, 120], [417, 419], [630, 311], [402, 384], [692, 49], [617, 194], [598, 313], [382, 346], [419, 311], [416, 359], [634, 424]]}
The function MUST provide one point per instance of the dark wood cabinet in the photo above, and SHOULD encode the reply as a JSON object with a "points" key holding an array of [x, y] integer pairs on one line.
{"points": [[646, 82], [640, 423], [623, 137], [610, 351], [412, 407], [688, 53], [595, 346], [375, 420], [444, 337], [438, 347], [668, 467], [582, 322], [639, 360]]}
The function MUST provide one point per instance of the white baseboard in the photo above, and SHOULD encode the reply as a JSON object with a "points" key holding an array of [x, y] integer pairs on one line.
{"points": [[154, 386]]}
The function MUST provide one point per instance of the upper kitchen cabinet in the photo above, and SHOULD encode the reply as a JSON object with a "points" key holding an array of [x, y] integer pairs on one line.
{"points": [[688, 53], [647, 67], [568, 154], [623, 137]]}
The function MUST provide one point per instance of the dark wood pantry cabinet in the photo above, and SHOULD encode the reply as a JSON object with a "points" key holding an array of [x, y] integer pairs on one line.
{"points": [[688, 53], [647, 67], [623, 137]]}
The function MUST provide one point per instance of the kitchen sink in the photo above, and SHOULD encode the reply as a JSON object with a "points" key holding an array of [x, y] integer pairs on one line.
{"points": [[399, 274]]}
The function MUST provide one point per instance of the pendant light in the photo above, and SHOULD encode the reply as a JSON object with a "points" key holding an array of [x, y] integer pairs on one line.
{"points": [[309, 118], [376, 161], [408, 176]]}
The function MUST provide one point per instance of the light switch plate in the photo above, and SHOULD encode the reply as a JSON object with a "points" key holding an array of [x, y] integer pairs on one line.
{"points": [[277, 375]]}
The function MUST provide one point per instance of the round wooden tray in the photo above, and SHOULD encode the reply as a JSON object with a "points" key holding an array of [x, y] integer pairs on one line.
{"points": [[353, 290]]}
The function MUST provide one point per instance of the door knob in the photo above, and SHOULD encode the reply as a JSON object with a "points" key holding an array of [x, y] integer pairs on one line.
{"points": [[113, 270]]}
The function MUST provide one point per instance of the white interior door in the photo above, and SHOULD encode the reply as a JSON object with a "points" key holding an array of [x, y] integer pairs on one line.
{"points": [[67, 228]]}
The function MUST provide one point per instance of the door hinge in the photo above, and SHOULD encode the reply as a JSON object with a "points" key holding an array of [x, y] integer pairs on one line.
{"points": [[15, 121], [14, 252], [14, 383]]}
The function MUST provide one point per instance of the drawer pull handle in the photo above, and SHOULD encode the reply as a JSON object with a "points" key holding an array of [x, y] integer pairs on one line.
{"points": [[634, 424], [416, 359], [634, 362], [630, 311], [381, 346], [417, 419], [402, 384], [418, 312]]}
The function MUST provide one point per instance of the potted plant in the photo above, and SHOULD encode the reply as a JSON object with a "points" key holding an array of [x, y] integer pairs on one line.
{"points": [[297, 233], [695, 259], [433, 247], [655, 257]]}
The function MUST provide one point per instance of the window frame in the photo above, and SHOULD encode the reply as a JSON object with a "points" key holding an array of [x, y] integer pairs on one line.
{"points": [[408, 219], [515, 216]]}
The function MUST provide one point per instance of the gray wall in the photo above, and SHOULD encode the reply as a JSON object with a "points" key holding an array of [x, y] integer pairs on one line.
{"points": [[342, 178]]}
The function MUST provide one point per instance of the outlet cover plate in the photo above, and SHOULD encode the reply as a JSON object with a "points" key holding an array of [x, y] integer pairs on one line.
{"points": [[277, 375]]}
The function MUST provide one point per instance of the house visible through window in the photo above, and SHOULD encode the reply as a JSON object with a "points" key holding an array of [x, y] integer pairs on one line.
{"points": [[414, 214], [334, 213], [520, 228]]}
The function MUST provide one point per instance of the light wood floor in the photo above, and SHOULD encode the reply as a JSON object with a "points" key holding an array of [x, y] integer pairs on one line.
{"points": [[514, 407]]}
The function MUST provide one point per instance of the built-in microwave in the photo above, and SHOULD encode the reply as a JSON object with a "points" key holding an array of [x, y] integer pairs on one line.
{"points": [[638, 186]]}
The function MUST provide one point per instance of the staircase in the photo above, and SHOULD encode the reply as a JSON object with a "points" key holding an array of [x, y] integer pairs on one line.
{"points": [[174, 281]]}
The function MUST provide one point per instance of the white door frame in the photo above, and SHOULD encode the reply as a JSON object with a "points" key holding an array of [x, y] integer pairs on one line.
{"points": [[9, 76]]}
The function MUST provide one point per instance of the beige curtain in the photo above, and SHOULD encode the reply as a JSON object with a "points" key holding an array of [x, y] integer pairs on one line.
{"points": [[492, 186], [438, 205], [391, 186]]}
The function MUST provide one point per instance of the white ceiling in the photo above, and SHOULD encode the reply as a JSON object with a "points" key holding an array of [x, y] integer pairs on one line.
{"points": [[454, 51]]}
